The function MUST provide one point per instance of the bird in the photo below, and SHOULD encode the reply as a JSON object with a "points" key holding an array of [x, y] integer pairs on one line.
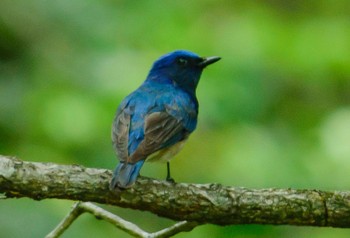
{"points": [[154, 121]]}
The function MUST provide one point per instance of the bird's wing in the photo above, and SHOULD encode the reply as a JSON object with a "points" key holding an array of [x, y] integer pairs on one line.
{"points": [[160, 130], [120, 134]]}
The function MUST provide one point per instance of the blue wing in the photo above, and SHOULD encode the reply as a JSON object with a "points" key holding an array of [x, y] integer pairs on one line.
{"points": [[147, 122]]}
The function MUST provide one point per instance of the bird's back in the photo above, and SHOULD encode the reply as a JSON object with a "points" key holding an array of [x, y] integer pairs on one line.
{"points": [[151, 98]]}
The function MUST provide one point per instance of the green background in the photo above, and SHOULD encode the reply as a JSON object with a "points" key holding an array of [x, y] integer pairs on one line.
{"points": [[274, 112]]}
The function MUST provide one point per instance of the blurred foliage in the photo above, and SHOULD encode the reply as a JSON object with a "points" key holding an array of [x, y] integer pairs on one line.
{"points": [[274, 112]]}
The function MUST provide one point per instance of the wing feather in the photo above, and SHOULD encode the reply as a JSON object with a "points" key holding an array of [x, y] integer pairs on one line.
{"points": [[120, 134], [161, 130]]}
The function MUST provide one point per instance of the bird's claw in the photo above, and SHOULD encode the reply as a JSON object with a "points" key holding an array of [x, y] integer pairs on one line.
{"points": [[170, 180]]}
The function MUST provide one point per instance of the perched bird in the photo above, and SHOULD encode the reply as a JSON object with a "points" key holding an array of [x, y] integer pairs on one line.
{"points": [[154, 121]]}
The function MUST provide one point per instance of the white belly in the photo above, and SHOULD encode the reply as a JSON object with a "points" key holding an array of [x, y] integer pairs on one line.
{"points": [[167, 154]]}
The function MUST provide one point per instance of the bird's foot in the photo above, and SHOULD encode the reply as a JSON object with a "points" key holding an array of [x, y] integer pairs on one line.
{"points": [[170, 179]]}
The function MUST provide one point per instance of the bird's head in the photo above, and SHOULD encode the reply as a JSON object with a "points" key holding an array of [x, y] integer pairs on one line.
{"points": [[181, 68]]}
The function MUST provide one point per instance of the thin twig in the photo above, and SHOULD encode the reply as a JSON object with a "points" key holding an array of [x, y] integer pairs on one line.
{"points": [[66, 222], [117, 221], [174, 229], [128, 227]]}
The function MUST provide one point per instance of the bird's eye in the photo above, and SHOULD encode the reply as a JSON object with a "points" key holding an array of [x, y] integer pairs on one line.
{"points": [[182, 61]]}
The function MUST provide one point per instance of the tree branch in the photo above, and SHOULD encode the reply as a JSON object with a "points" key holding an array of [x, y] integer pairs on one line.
{"points": [[66, 222], [81, 207], [207, 203]]}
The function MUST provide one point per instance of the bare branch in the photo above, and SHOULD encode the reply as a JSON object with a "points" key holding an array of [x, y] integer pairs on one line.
{"points": [[66, 222], [207, 203], [173, 230], [81, 207], [115, 220], [131, 228]]}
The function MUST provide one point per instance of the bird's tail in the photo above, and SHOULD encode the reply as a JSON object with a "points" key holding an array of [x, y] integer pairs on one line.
{"points": [[125, 175]]}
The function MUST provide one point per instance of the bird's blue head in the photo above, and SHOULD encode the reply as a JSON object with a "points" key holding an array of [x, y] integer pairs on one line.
{"points": [[182, 68]]}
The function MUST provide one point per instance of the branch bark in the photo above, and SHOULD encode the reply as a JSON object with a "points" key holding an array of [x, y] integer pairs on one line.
{"points": [[202, 203]]}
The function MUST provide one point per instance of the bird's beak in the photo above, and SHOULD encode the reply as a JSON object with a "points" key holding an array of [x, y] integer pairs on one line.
{"points": [[208, 60]]}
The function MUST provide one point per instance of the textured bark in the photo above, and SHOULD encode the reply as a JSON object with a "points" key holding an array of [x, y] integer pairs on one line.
{"points": [[203, 203]]}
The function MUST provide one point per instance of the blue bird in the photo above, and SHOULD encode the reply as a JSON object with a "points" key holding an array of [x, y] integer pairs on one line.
{"points": [[155, 120]]}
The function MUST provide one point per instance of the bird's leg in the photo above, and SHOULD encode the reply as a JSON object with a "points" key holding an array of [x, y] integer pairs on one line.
{"points": [[168, 177]]}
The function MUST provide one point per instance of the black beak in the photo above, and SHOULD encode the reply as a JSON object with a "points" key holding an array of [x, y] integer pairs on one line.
{"points": [[208, 60]]}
